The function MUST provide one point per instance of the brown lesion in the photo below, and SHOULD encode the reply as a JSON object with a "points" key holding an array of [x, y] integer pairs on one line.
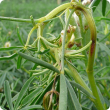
{"points": [[92, 48]]}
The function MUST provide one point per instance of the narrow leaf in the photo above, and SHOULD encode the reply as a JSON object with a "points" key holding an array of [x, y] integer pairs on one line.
{"points": [[19, 62], [32, 107], [38, 61], [48, 88], [104, 3], [8, 57], [1, 95], [82, 89], [7, 92], [73, 96], [105, 48], [41, 73], [3, 49], [63, 93], [48, 43], [18, 34], [40, 98], [94, 4], [28, 98], [2, 78], [23, 91]]}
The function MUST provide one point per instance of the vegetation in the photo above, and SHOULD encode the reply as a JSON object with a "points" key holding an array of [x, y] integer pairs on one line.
{"points": [[54, 58]]}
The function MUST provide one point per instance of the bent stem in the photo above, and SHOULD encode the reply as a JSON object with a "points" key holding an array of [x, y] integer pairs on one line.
{"points": [[89, 70]]}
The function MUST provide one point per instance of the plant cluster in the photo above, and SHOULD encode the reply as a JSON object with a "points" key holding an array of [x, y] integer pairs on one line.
{"points": [[60, 66]]}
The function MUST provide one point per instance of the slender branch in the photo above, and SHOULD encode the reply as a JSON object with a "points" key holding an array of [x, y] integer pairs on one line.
{"points": [[29, 35], [63, 42]]}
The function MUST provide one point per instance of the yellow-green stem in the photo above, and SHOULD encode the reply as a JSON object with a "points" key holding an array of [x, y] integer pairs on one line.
{"points": [[91, 53]]}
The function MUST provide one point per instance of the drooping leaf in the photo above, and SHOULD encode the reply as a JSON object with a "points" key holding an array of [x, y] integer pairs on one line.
{"points": [[38, 61], [23, 91], [7, 92], [63, 93]]}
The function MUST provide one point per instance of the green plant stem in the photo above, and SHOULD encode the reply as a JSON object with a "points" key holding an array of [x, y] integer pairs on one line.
{"points": [[29, 35], [83, 37], [92, 27], [15, 19], [47, 17], [39, 36], [63, 42]]}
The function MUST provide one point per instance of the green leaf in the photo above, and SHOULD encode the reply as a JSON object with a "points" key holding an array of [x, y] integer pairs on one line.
{"points": [[2, 78], [104, 3], [8, 57], [19, 62], [40, 62], [18, 34], [7, 92], [104, 48], [1, 108], [70, 103], [48, 43], [73, 96], [80, 50], [63, 93], [101, 18], [107, 35], [15, 97], [29, 97], [41, 73], [101, 97], [23, 91], [32, 107], [3, 49], [103, 78], [1, 95], [94, 4], [40, 98], [82, 89], [74, 73]]}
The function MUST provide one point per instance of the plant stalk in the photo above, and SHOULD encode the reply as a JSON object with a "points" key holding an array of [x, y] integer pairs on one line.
{"points": [[63, 42], [89, 69]]}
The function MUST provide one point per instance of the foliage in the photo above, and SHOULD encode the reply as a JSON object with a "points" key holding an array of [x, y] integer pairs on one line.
{"points": [[53, 69]]}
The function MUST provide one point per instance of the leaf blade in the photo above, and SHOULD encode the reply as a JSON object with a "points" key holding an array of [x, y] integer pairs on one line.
{"points": [[23, 91], [63, 93], [104, 3], [7, 92], [73, 96], [38, 61]]}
